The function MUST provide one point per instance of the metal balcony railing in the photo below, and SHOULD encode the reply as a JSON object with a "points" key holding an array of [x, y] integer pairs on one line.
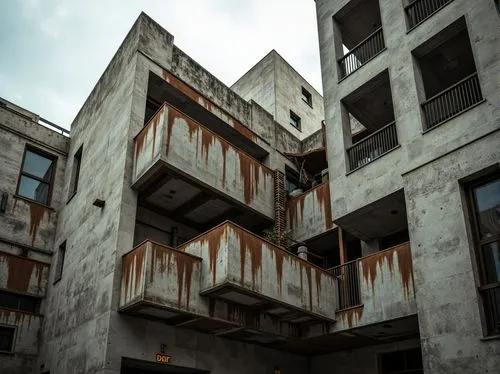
{"points": [[373, 146], [452, 101], [491, 302], [348, 284], [419, 10], [362, 53]]}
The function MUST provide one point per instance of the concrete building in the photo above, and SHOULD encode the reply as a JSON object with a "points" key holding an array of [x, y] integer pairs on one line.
{"points": [[423, 78], [183, 228]]}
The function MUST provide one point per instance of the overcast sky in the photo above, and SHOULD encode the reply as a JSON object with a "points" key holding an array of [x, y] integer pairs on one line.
{"points": [[54, 51]]}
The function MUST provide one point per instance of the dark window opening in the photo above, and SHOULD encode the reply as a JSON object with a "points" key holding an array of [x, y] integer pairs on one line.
{"points": [[401, 362], [7, 338], [36, 177], [18, 302], [75, 173], [485, 202], [292, 180], [294, 120], [306, 97], [394, 239], [152, 107], [60, 262]]}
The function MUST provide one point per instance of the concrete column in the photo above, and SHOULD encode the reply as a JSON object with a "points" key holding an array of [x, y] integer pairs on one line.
{"points": [[369, 247]]}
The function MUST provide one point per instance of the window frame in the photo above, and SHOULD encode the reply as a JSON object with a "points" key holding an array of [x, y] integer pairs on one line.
{"points": [[13, 343], [297, 119], [61, 255], [75, 174], [41, 152], [306, 95], [479, 243]]}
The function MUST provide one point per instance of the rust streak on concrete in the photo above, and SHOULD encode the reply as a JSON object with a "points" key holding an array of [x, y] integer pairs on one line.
{"points": [[207, 141], [349, 314], [371, 264], [405, 267], [133, 264], [279, 256], [318, 285], [250, 176], [20, 271], [323, 196], [37, 212], [213, 241], [294, 206], [253, 245]]}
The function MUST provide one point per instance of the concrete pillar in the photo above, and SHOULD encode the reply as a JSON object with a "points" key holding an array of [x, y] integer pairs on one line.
{"points": [[369, 247]]}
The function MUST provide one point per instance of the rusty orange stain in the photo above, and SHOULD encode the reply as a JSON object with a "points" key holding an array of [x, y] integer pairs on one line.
{"points": [[20, 271], [207, 140], [133, 262], [318, 285], [405, 266], [207, 104], [295, 205], [253, 245], [213, 240], [37, 213], [250, 176], [279, 255], [323, 195], [348, 315]]}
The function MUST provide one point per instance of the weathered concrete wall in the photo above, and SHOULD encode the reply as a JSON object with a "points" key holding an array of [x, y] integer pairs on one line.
{"points": [[357, 361], [314, 141], [258, 84], [27, 223], [22, 275], [193, 150], [234, 256], [445, 281], [417, 148], [310, 214], [289, 85], [25, 341]]}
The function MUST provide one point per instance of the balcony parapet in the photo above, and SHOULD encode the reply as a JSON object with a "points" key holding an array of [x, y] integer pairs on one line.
{"points": [[23, 275]]}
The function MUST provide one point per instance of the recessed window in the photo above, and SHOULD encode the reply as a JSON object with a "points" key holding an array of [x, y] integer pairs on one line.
{"points": [[306, 97], [18, 302], [75, 173], [485, 202], [36, 178], [294, 120], [7, 338], [402, 362], [60, 262]]}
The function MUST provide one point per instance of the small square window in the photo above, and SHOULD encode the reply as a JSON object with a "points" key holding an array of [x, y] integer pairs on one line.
{"points": [[7, 338], [36, 177], [306, 97], [60, 262], [294, 120]]}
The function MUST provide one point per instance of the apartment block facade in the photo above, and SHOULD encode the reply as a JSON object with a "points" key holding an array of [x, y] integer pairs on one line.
{"points": [[188, 227], [422, 77]]}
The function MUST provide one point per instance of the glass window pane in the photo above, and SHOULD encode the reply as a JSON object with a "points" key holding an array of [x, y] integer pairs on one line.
{"points": [[487, 199], [491, 256], [33, 189], [38, 165]]}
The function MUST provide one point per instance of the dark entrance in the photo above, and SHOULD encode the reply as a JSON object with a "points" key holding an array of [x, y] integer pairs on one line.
{"points": [[133, 366]]}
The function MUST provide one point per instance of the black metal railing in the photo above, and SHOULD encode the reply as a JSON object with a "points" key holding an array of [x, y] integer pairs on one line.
{"points": [[373, 146], [418, 10], [348, 284], [491, 303], [362, 53], [452, 101]]}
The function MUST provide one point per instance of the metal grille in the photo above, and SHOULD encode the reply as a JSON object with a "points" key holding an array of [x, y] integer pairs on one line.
{"points": [[452, 101], [348, 284], [362, 53], [373, 146], [419, 10]]}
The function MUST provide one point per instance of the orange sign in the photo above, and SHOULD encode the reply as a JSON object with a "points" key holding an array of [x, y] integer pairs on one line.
{"points": [[162, 358]]}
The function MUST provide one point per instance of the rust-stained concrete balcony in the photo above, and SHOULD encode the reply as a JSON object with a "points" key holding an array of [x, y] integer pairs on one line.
{"points": [[309, 214], [242, 268], [23, 275], [174, 143], [375, 288]]}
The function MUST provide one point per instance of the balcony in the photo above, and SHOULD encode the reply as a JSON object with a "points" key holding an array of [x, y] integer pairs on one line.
{"points": [[23, 275], [377, 287], [419, 10], [362, 53], [242, 268], [452, 101], [373, 146], [309, 214], [174, 143]]}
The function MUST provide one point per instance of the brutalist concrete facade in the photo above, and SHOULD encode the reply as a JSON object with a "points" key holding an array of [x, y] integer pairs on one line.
{"points": [[422, 177]]}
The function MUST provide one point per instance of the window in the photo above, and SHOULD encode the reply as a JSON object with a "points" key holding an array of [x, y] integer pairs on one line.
{"points": [[36, 178], [306, 97], [75, 173], [485, 201], [401, 362], [18, 302], [294, 120], [7, 338], [60, 262]]}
